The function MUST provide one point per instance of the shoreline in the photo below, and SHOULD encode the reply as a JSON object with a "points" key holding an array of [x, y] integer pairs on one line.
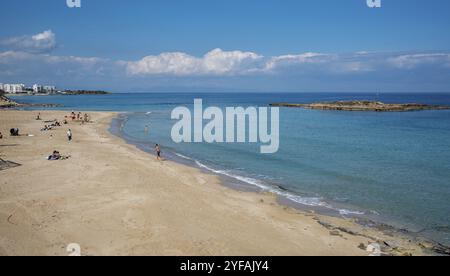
{"points": [[283, 197], [115, 199], [330, 216], [241, 182]]}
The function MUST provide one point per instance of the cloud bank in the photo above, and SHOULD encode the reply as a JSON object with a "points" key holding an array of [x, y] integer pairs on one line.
{"points": [[39, 43], [215, 62], [234, 63], [30, 59]]}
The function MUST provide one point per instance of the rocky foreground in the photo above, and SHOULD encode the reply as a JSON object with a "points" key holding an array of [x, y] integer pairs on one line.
{"points": [[364, 106], [6, 103]]}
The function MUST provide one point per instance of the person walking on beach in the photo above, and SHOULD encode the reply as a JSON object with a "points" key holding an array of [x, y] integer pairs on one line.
{"points": [[158, 152], [69, 135]]}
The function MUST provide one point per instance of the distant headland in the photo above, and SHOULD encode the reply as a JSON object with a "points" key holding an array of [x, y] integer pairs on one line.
{"points": [[84, 92], [6, 102], [363, 106]]}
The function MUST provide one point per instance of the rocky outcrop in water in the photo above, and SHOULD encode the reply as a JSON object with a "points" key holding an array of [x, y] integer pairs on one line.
{"points": [[5, 102], [364, 106]]}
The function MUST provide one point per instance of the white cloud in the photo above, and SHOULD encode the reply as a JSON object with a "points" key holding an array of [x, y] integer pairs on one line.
{"points": [[289, 60], [15, 57], [237, 63], [414, 60], [166, 63], [221, 62], [38, 43], [30, 68], [215, 62]]}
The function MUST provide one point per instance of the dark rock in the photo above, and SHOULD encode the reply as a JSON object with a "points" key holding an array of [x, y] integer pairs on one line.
{"points": [[335, 233], [364, 106]]}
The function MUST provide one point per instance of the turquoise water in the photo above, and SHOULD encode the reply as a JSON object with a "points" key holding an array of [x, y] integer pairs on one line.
{"points": [[391, 167]]}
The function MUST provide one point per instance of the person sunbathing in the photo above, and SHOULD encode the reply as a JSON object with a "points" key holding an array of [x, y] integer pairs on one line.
{"points": [[57, 156], [47, 128]]}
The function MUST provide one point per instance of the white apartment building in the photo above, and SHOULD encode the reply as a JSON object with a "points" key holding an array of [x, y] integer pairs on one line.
{"points": [[21, 88], [38, 88], [49, 89], [14, 88]]}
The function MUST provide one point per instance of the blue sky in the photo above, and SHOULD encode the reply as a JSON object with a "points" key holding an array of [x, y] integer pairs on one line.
{"points": [[212, 45]]}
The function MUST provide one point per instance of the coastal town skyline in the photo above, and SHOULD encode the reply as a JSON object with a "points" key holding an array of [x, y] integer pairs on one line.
{"points": [[20, 88], [16, 89], [300, 46]]}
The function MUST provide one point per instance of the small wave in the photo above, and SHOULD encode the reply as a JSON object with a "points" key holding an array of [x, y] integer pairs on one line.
{"points": [[247, 180], [307, 201], [374, 213], [148, 113], [345, 212], [183, 156]]}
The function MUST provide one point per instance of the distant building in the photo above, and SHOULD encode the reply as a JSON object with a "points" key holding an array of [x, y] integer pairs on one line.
{"points": [[21, 88], [41, 89], [49, 89], [38, 89], [14, 88]]}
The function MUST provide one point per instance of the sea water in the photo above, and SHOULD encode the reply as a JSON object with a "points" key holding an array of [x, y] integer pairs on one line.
{"points": [[391, 167]]}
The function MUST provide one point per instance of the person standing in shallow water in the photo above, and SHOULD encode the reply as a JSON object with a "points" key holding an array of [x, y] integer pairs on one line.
{"points": [[158, 152], [69, 135]]}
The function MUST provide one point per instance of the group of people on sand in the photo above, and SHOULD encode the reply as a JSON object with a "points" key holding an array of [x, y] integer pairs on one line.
{"points": [[83, 118], [54, 123]]}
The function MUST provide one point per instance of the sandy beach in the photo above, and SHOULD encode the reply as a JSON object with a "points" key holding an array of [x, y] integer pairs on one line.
{"points": [[113, 199]]}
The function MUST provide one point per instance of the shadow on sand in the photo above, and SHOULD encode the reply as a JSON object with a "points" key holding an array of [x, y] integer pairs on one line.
{"points": [[4, 165]]}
